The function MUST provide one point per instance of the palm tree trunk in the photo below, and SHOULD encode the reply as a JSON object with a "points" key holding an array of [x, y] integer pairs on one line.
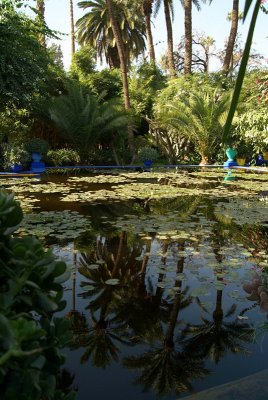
{"points": [[72, 26], [188, 36], [123, 66], [232, 37], [218, 312], [169, 40], [147, 12], [121, 52], [149, 38], [40, 7], [176, 305]]}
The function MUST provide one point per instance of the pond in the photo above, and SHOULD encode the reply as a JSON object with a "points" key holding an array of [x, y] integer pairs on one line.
{"points": [[168, 294]]}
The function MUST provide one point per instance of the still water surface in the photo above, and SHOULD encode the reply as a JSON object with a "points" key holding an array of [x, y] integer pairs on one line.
{"points": [[168, 294]]}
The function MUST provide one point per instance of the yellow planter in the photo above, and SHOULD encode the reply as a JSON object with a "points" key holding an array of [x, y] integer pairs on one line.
{"points": [[265, 155], [241, 161]]}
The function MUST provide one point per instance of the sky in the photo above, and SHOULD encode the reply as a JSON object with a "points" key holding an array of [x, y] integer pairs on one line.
{"points": [[211, 21]]}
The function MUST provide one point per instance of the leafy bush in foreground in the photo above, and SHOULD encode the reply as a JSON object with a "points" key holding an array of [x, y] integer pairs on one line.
{"points": [[30, 293]]}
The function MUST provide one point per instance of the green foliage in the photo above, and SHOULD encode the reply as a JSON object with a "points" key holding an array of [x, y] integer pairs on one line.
{"points": [[94, 28], [15, 124], [201, 118], [108, 82], [30, 293], [62, 157], [83, 63], [22, 70], [251, 126], [37, 145], [56, 55], [15, 155], [148, 153], [183, 86], [189, 111], [85, 122], [145, 81], [243, 65]]}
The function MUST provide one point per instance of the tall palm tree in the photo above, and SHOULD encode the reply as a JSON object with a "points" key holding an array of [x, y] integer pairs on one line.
{"points": [[187, 4], [121, 53], [40, 9], [94, 28], [169, 16], [232, 36], [147, 10], [72, 27]]}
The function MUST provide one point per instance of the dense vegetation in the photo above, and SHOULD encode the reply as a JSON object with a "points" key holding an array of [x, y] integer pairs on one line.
{"points": [[31, 292], [82, 110]]}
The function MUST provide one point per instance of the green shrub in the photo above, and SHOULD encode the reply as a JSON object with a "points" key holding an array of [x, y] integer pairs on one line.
{"points": [[148, 153], [37, 145], [14, 155], [30, 293], [62, 157]]}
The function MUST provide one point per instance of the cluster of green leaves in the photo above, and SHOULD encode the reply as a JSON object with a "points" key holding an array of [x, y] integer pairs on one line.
{"points": [[30, 293], [144, 83], [62, 157], [22, 70], [86, 122], [14, 155], [191, 112]]}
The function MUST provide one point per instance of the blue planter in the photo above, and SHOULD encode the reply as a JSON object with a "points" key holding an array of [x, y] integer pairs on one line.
{"points": [[37, 165], [147, 163], [16, 168], [231, 154]]}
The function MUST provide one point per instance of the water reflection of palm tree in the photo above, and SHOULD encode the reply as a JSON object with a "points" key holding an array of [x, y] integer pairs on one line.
{"points": [[77, 320], [107, 329], [164, 368], [213, 338]]}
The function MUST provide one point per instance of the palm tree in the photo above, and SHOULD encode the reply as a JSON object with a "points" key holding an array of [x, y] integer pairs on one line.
{"points": [[40, 10], [72, 27], [188, 33], [94, 28], [201, 118], [82, 120], [121, 53], [169, 12], [232, 36], [147, 10]]}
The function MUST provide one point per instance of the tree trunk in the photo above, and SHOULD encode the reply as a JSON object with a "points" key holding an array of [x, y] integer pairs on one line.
{"points": [[147, 12], [123, 65], [121, 53], [40, 7], [188, 36], [169, 40], [232, 37], [113, 57], [72, 27], [149, 37]]}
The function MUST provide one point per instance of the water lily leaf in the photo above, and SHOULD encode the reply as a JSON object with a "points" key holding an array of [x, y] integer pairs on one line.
{"points": [[112, 282], [93, 266], [200, 291]]}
